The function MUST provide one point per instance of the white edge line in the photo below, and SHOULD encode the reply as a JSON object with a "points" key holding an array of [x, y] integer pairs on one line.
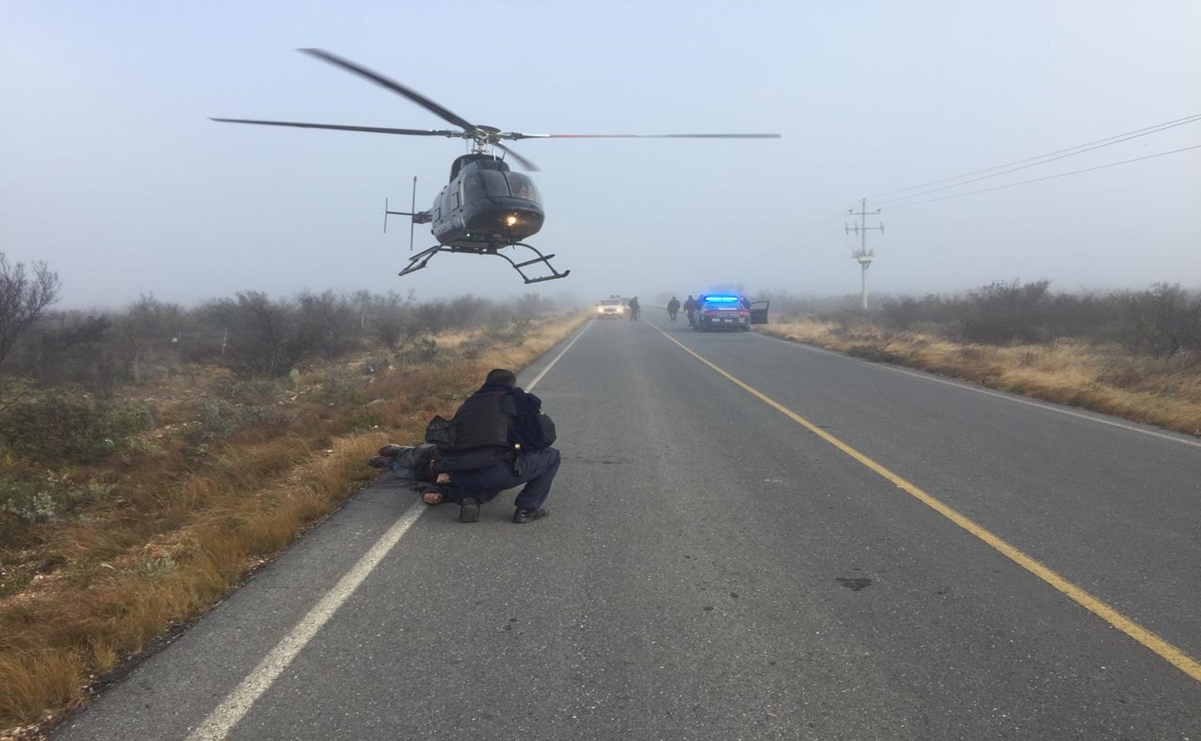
{"points": [[228, 713], [551, 364], [925, 376], [235, 706]]}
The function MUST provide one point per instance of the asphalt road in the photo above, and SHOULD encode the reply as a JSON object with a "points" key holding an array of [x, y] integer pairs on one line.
{"points": [[716, 567]]}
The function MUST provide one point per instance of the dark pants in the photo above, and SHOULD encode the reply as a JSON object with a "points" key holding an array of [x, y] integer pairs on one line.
{"points": [[535, 469]]}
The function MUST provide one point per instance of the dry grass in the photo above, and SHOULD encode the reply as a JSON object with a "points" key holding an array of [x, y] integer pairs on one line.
{"points": [[1166, 393], [175, 534]]}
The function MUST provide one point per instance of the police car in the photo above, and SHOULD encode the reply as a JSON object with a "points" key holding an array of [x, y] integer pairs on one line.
{"points": [[728, 311]]}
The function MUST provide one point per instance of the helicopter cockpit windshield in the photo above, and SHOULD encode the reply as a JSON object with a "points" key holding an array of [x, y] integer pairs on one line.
{"points": [[498, 184], [473, 186], [523, 187], [494, 184]]}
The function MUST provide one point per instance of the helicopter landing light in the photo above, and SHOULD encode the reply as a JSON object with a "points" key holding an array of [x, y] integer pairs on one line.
{"points": [[511, 219]]}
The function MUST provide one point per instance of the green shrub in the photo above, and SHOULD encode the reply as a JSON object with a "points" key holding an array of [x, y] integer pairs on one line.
{"points": [[218, 419], [423, 350], [30, 500], [343, 384], [47, 429], [254, 391]]}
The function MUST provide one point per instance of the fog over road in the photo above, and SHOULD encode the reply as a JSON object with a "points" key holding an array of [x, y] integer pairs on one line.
{"points": [[716, 567]]}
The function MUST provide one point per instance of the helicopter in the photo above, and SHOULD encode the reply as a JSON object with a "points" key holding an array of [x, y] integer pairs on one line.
{"points": [[485, 207]]}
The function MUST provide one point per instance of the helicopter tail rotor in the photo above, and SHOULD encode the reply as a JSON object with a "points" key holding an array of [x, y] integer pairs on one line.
{"points": [[413, 223], [416, 217]]}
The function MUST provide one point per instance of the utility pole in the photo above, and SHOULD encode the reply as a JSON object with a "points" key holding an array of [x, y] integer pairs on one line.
{"points": [[863, 254]]}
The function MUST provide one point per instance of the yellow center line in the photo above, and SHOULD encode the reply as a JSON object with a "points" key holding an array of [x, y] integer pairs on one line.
{"points": [[1165, 650]]}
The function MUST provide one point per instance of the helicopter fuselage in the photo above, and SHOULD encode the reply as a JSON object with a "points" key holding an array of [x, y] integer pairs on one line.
{"points": [[486, 205]]}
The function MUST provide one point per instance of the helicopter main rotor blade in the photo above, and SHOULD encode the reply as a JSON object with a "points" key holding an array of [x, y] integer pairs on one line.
{"points": [[524, 162], [336, 127], [392, 85], [515, 135]]}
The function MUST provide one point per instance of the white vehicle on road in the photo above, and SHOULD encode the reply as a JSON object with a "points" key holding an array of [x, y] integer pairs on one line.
{"points": [[610, 308]]}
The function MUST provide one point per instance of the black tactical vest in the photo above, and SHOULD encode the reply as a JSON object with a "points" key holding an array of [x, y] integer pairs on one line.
{"points": [[481, 421]]}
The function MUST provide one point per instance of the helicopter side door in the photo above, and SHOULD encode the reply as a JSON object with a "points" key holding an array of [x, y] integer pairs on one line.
{"points": [[448, 219]]}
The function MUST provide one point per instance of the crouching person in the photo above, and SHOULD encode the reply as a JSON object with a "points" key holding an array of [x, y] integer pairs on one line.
{"points": [[502, 440]]}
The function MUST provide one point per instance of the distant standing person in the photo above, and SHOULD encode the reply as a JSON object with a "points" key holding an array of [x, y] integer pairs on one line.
{"points": [[635, 309], [673, 307], [690, 310]]}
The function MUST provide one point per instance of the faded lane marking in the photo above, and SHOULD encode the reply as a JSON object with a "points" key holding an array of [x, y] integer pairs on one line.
{"points": [[221, 721], [1165, 650]]}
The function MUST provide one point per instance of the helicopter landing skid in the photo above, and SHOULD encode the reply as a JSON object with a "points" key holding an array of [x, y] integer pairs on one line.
{"points": [[421, 259]]}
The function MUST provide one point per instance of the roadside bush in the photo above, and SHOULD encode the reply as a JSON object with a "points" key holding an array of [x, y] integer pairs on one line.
{"points": [[24, 298], [260, 337], [343, 384], [47, 429], [326, 323], [78, 349], [254, 391], [423, 350], [904, 312], [30, 500], [1003, 312], [219, 419], [512, 332], [390, 319], [1163, 321]]}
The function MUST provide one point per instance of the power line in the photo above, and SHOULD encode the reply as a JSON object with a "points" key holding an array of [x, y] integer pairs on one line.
{"points": [[1042, 159], [838, 215], [1050, 177]]}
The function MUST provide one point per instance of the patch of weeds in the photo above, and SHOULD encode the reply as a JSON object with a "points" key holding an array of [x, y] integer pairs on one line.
{"points": [[514, 333], [154, 567], [218, 419], [472, 348], [145, 445], [32, 500], [1028, 358], [970, 354], [342, 385], [874, 353], [364, 421], [47, 429], [13, 580], [254, 391], [16, 574], [423, 350]]}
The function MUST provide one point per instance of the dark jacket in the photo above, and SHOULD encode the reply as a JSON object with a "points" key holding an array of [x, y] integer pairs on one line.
{"points": [[518, 416]]}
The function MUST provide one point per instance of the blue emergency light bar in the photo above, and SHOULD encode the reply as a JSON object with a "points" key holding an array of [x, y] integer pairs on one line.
{"points": [[722, 299]]}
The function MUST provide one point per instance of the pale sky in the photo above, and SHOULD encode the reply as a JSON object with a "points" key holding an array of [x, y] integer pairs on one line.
{"points": [[111, 172]]}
